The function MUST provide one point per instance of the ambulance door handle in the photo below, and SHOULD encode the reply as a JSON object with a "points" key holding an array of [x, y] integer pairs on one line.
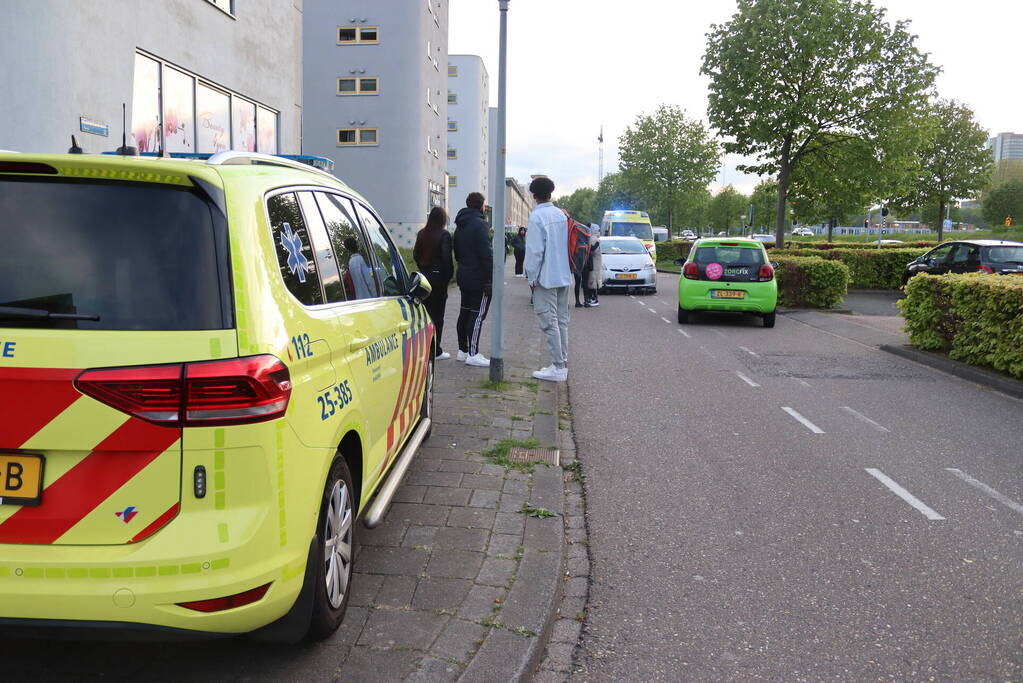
{"points": [[404, 325], [359, 343]]}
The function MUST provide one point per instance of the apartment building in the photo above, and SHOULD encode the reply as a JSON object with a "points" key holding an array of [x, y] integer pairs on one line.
{"points": [[1006, 146], [375, 85], [468, 148], [518, 203], [198, 76]]}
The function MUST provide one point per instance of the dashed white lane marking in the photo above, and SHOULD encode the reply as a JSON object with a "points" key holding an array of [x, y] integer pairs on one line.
{"points": [[665, 320], [803, 421], [685, 334], [1003, 499], [651, 310], [802, 381], [746, 379], [752, 353], [864, 418], [903, 494]]}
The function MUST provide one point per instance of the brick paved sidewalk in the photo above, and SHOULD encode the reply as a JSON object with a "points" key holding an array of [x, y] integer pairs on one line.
{"points": [[458, 582]]}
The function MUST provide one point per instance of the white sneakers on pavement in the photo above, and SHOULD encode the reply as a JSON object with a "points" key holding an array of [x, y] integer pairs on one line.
{"points": [[552, 374], [444, 356], [462, 355], [478, 361]]}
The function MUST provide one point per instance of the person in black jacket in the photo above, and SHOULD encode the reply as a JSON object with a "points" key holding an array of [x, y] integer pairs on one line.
{"points": [[432, 254], [518, 244], [475, 257]]}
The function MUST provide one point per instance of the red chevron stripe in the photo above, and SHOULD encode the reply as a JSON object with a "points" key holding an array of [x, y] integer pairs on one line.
{"points": [[29, 400], [157, 523], [85, 486]]}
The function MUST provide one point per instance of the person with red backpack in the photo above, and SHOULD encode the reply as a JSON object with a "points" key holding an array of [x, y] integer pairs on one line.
{"points": [[549, 274]]}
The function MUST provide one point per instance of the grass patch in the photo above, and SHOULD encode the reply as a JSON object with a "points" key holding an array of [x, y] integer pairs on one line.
{"points": [[576, 468], [516, 418], [503, 385], [539, 513], [543, 412], [499, 454], [531, 385]]}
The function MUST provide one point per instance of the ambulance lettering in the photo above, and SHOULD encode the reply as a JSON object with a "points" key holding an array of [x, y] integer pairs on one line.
{"points": [[381, 348], [7, 349]]}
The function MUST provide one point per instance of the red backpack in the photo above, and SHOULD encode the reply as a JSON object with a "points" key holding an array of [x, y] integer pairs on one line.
{"points": [[578, 244]]}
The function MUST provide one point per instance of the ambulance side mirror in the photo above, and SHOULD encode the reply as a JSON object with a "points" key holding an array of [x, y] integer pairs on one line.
{"points": [[419, 287]]}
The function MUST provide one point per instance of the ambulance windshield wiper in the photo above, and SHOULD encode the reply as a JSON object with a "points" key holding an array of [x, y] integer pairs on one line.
{"points": [[42, 314]]}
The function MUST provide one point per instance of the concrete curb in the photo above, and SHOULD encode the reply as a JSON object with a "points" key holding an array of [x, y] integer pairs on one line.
{"points": [[512, 653], [1006, 385]]}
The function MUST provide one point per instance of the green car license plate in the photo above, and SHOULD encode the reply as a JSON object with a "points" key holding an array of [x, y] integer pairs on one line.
{"points": [[727, 294]]}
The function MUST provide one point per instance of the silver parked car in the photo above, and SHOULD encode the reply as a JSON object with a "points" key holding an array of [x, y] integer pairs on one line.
{"points": [[627, 265]]}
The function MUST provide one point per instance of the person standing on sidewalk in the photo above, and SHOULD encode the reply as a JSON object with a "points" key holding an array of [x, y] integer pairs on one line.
{"points": [[549, 274], [594, 272], [475, 257], [518, 244], [432, 254]]}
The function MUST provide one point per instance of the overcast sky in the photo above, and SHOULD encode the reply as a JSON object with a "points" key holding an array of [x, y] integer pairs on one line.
{"points": [[574, 65]]}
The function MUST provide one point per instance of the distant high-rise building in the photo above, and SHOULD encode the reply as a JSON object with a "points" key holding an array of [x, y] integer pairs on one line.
{"points": [[375, 85], [468, 148], [1006, 146]]}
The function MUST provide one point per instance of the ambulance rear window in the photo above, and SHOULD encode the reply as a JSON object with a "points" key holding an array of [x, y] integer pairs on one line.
{"points": [[109, 256]]}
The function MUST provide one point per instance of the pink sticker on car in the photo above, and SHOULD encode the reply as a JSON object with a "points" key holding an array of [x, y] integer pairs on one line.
{"points": [[714, 271]]}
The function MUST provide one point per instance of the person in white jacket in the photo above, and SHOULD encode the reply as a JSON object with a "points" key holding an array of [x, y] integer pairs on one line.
{"points": [[549, 274]]}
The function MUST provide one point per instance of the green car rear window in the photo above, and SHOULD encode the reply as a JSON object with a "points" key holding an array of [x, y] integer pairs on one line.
{"points": [[726, 255]]}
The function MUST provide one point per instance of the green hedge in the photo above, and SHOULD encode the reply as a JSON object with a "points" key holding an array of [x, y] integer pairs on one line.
{"points": [[975, 318], [811, 281], [824, 246], [868, 268]]}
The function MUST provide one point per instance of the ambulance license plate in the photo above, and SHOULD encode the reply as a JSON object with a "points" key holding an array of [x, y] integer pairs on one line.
{"points": [[727, 294], [21, 479]]}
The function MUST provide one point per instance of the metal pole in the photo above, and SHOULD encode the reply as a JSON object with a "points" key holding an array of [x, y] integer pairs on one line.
{"points": [[497, 324]]}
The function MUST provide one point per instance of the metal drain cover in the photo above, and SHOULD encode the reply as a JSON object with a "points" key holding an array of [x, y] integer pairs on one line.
{"points": [[551, 456]]}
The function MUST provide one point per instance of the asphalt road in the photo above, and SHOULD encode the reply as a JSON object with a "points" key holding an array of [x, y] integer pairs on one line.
{"points": [[789, 504]]}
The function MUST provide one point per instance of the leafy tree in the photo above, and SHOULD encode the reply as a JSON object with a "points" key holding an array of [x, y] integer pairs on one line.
{"points": [[1004, 201], [727, 209], [581, 205], [837, 181], [975, 215], [765, 202], [789, 78], [694, 208], [616, 192], [954, 161], [668, 157]]}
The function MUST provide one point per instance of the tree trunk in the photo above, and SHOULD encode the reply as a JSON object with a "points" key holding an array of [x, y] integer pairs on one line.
{"points": [[669, 220], [941, 218], [784, 173], [831, 228]]}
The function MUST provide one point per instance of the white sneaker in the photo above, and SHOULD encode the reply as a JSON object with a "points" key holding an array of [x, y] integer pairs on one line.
{"points": [[478, 361], [521, 275], [444, 356], [462, 355], [552, 374]]}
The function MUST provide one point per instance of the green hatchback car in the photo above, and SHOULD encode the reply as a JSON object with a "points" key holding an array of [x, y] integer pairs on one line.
{"points": [[727, 274]]}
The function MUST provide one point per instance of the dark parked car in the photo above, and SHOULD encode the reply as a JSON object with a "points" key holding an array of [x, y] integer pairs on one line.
{"points": [[969, 256]]}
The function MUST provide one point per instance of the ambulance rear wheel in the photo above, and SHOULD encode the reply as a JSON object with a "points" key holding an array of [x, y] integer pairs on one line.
{"points": [[335, 549]]}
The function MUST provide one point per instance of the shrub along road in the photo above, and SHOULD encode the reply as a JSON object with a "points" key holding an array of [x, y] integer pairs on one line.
{"points": [[790, 504]]}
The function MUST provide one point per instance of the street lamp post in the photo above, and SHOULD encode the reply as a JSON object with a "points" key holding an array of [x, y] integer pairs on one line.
{"points": [[497, 326]]}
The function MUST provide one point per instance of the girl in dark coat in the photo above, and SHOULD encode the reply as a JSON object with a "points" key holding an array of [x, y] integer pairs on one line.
{"points": [[432, 254], [518, 244]]}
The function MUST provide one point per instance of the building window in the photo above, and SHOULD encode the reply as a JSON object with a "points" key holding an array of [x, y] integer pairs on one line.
{"points": [[354, 35], [452, 69], [356, 136], [452, 97], [452, 181], [358, 86], [452, 126], [194, 116], [452, 153]]}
